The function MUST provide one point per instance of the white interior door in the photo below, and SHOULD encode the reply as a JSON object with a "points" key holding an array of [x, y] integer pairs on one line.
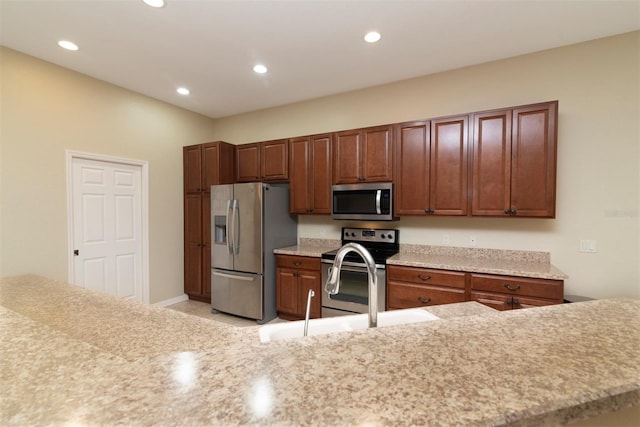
{"points": [[107, 224]]}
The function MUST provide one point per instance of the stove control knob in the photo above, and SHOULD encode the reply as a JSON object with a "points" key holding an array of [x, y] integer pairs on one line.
{"points": [[390, 236], [383, 236], [353, 234]]}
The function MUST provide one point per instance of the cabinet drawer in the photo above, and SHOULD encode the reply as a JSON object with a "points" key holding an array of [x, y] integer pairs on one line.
{"points": [[541, 288], [404, 295], [426, 276], [299, 262], [507, 302]]}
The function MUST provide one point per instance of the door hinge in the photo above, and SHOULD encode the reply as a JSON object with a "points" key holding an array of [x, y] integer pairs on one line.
{"points": [[76, 252]]}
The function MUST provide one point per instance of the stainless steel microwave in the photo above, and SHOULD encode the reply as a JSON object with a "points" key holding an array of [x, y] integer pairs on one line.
{"points": [[365, 202]]}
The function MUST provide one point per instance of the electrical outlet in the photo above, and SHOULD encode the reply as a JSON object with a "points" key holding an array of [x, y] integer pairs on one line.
{"points": [[445, 239], [472, 240], [588, 246]]}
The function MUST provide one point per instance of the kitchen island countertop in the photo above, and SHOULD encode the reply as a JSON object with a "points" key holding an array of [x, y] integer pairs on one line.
{"points": [[73, 356]]}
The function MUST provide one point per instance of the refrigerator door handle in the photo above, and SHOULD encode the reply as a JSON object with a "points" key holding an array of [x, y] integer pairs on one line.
{"points": [[233, 276], [236, 225], [230, 227]]}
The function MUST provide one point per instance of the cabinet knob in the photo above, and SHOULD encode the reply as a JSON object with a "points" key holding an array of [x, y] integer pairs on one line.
{"points": [[511, 288], [297, 263], [515, 302], [421, 277], [424, 300]]}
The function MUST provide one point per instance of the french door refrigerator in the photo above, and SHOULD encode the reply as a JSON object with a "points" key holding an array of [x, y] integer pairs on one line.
{"points": [[248, 221]]}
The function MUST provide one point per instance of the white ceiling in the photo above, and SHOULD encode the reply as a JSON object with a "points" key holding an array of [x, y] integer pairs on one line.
{"points": [[312, 48]]}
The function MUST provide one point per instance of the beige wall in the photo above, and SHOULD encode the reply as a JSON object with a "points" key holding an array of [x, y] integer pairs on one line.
{"points": [[47, 109], [597, 84]]}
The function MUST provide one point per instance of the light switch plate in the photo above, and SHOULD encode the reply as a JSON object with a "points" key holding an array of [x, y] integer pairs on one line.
{"points": [[588, 246]]}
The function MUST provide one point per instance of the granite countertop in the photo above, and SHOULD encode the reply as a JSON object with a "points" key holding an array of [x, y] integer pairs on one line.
{"points": [[534, 264], [73, 356], [309, 247]]}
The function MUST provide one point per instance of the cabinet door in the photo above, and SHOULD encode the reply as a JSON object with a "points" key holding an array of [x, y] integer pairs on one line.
{"points": [[274, 160], [497, 301], [206, 245], [407, 295], [320, 161], [449, 166], [347, 152], [193, 244], [377, 154], [309, 280], [413, 156], [299, 175], [248, 162], [287, 291], [520, 302], [192, 168], [491, 182], [533, 165], [210, 165]]}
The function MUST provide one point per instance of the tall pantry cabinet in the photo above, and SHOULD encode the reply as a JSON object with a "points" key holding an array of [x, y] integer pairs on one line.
{"points": [[204, 165]]}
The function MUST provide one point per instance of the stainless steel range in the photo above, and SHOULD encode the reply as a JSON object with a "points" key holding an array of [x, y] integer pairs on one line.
{"points": [[353, 296]]}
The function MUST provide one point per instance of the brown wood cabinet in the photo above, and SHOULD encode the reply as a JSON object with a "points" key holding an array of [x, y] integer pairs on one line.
{"points": [[409, 287], [263, 161], [509, 292], [203, 165], [310, 167], [363, 155], [295, 276], [514, 161], [431, 173]]}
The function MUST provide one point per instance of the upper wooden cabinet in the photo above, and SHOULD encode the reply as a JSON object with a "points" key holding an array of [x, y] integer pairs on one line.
{"points": [[363, 155], [310, 174], [204, 165], [274, 160], [248, 162], [263, 161], [431, 167], [514, 161]]}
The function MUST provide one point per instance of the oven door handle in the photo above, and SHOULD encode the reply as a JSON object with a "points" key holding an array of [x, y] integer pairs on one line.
{"points": [[378, 197]]}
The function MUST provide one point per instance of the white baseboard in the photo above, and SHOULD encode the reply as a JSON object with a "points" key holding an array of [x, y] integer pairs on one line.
{"points": [[171, 301]]}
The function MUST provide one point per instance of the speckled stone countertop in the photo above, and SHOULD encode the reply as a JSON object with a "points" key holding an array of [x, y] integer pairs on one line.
{"points": [[533, 264], [310, 247], [70, 356]]}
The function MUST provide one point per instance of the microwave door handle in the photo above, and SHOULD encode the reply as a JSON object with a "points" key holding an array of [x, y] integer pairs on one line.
{"points": [[378, 197]]}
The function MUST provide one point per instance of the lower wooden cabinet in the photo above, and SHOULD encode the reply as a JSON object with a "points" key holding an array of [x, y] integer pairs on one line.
{"points": [[409, 287], [295, 276], [509, 292]]}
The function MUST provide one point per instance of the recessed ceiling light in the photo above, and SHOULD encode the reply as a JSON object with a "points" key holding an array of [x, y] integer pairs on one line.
{"points": [[155, 3], [260, 69], [67, 45], [372, 37], [183, 91]]}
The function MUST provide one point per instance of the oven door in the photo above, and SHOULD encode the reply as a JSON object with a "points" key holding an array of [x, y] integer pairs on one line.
{"points": [[353, 294]]}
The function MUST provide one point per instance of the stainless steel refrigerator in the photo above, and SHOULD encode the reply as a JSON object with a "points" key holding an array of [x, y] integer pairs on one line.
{"points": [[248, 221]]}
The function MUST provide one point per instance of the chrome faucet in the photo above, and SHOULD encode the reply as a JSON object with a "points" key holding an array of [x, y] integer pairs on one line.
{"points": [[332, 286]]}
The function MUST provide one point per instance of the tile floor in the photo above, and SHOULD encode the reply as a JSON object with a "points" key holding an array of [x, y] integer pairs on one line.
{"points": [[203, 309]]}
